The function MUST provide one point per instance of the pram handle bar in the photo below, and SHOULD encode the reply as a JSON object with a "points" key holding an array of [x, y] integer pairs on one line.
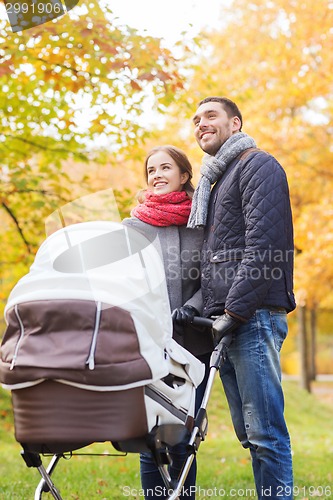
{"points": [[201, 422], [208, 322], [201, 321]]}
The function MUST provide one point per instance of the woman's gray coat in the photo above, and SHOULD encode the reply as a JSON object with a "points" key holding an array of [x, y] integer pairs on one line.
{"points": [[181, 253]]}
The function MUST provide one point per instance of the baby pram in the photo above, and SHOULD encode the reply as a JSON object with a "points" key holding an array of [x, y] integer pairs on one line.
{"points": [[89, 338]]}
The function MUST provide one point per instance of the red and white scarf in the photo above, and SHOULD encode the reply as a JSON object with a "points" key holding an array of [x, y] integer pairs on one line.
{"points": [[171, 209]]}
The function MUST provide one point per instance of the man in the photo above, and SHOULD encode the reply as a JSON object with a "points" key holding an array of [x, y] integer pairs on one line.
{"points": [[247, 282]]}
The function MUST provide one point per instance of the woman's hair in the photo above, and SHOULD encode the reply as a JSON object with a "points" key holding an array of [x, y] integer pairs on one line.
{"points": [[180, 159]]}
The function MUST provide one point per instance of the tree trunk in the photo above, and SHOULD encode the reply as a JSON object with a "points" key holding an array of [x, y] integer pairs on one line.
{"points": [[312, 353], [303, 345]]}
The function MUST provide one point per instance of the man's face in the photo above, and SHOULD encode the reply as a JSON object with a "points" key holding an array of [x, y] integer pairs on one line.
{"points": [[212, 126]]}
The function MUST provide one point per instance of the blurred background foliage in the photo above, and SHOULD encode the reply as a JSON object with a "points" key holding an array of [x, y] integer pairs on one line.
{"points": [[75, 96]]}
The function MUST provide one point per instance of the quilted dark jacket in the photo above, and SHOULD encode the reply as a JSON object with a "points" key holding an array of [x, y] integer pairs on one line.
{"points": [[248, 252]]}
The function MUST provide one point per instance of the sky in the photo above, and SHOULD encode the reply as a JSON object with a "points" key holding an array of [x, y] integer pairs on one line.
{"points": [[168, 19]]}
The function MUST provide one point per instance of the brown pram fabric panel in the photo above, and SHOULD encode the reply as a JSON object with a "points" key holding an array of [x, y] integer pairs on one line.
{"points": [[57, 340], [55, 417]]}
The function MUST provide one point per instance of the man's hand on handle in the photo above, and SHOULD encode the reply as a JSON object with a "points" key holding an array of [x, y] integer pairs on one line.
{"points": [[223, 328]]}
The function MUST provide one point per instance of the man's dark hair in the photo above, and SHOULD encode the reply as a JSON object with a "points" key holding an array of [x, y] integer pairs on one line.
{"points": [[229, 106]]}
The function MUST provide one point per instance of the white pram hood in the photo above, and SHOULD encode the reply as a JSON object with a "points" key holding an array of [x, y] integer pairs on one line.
{"points": [[112, 266]]}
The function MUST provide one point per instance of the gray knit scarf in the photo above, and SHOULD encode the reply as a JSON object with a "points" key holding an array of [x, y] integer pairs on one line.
{"points": [[213, 167]]}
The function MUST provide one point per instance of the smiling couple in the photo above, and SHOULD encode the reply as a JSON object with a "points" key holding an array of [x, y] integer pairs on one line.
{"points": [[241, 206]]}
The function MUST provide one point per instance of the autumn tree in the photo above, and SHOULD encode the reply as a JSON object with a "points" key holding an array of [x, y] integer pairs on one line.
{"points": [[275, 60], [72, 90]]}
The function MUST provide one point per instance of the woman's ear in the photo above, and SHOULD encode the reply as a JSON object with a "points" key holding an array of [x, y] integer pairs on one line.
{"points": [[184, 178]]}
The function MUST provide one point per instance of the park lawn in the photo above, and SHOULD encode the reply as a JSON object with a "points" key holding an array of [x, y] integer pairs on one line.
{"points": [[224, 468]]}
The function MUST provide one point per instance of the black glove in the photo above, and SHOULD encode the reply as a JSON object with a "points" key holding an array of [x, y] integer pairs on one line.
{"points": [[222, 329], [184, 315]]}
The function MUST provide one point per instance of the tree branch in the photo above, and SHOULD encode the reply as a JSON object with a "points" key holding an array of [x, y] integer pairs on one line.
{"points": [[82, 156], [17, 224]]}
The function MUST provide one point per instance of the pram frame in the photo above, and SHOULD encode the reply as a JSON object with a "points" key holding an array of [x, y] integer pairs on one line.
{"points": [[155, 443]]}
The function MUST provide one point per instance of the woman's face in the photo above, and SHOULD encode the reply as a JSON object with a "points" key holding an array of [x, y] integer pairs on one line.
{"points": [[164, 175]]}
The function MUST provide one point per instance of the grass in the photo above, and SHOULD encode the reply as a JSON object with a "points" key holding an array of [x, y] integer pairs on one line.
{"points": [[224, 468]]}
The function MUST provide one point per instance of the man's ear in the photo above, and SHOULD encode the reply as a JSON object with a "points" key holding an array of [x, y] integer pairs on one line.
{"points": [[236, 124]]}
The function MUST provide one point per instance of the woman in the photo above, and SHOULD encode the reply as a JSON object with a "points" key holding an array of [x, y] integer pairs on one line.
{"points": [[162, 212]]}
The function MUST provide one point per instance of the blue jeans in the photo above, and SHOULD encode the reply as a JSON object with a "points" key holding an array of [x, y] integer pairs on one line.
{"points": [[151, 479], [251, 379]]}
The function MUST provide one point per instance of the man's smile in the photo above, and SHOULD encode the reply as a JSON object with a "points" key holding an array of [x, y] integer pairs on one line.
{"points": [[206, 132]]}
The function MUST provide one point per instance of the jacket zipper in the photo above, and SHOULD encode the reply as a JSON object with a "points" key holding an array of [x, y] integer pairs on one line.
{"points": [[91, 358], [20, 338]]}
